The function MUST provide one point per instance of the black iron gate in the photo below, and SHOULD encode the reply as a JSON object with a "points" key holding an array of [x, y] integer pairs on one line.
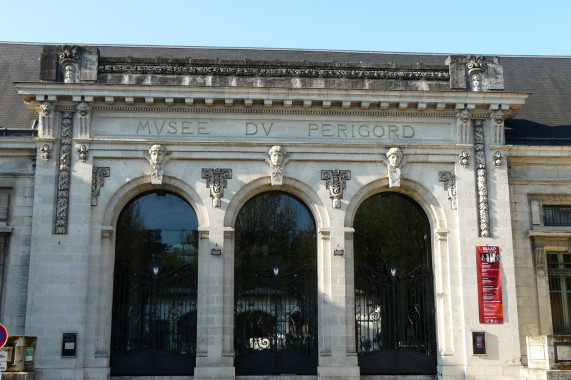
{"points": [[154, 321], [276, 321], [395, 321]]}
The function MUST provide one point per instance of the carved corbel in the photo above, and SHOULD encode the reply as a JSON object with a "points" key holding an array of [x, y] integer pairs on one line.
{"points": [[157, 155], [498, 127], [82, 153], [46, 152], [335, 182], [464, 159], [449, 179], [98, 176], [463, 121], [276, 157], [84, 115], [46, 127], [216, 181], [395, 159], [497, 159]]}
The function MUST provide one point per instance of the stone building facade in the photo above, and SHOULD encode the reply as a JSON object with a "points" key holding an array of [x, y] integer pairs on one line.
{"points": [[116, 130]]}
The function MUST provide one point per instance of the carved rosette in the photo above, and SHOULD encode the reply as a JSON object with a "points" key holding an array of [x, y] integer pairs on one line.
{"points": [[62, 200], [498, 127], [216, 181], [46, 129], [449, 179], [69, 56], [464, 159], [276, 157], [98, 176], [463, 118], [481, 178], [84, 114], [82, 153], [335, 182], [497, 159], [46, 152]]}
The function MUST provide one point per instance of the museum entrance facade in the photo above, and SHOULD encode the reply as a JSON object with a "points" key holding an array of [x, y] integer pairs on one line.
{"points": [[275, 287], [394, 294], [154, 318]]}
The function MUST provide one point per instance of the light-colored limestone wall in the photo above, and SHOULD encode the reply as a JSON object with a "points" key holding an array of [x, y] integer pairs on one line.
{"points": [[72, 286], [17, 191], [537, 175]]}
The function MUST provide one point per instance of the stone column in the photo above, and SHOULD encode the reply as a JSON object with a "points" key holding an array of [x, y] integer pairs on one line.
{"points": [[215, 306], [337, 357]]}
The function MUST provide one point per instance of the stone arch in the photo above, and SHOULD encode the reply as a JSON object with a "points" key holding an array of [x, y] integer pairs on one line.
{"points": [[414, 190], [140, 185], [440, 251], [290, 185]]}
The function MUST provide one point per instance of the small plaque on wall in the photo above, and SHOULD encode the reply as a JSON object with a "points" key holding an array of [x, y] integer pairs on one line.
{"points": [[69, 345], [479, 342]]}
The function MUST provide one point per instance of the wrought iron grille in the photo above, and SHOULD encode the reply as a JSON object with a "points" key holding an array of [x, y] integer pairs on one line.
{"points": [[154, 321], [557, 215], [395, 322], [276, 321]]}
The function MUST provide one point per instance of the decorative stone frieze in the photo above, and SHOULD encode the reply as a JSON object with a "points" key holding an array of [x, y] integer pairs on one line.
{"points": [[46, 128], [481, 178], [265, 70], [497, 159], [449, 179], [82, 153], [46, 152], [463, 118], [498, 127], [464, 159], [69, 57], [84, 114], [62, 200], [394, 163], [335, 182], [157, 156], [276, 157], [98, 176], [216, 180]]}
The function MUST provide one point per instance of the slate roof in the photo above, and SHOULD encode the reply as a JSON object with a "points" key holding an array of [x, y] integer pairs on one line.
{"points": [[544, 120]]}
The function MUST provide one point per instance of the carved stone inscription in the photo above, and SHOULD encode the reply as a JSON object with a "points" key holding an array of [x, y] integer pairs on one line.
{"points": [[366, 130]]}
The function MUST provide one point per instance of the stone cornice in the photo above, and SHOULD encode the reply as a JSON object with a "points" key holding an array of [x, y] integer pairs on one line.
{"points": [[264, 98]]}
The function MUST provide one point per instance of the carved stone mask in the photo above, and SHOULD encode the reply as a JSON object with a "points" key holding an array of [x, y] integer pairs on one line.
{"points": [[157, 153], [276, 155], [395, 156]]}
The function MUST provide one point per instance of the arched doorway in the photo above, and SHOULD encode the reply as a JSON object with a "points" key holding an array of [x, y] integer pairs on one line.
{"points": [[275, 289], [154, 290], [394, 296]]}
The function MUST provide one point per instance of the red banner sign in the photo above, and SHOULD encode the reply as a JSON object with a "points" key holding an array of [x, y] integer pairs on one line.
{"points": [[489, 285]]}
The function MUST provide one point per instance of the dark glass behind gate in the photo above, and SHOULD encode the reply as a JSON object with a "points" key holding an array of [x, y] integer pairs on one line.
{"points": [[395, 322], [154, 325], [275, 287], [276, 330]]}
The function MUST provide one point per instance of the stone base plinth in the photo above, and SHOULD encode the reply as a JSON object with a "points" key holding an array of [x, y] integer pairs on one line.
{"points": [[36, 375]]}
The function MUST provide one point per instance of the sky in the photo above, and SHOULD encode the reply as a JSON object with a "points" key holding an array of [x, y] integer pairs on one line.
{"points": [[505, 27]]}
